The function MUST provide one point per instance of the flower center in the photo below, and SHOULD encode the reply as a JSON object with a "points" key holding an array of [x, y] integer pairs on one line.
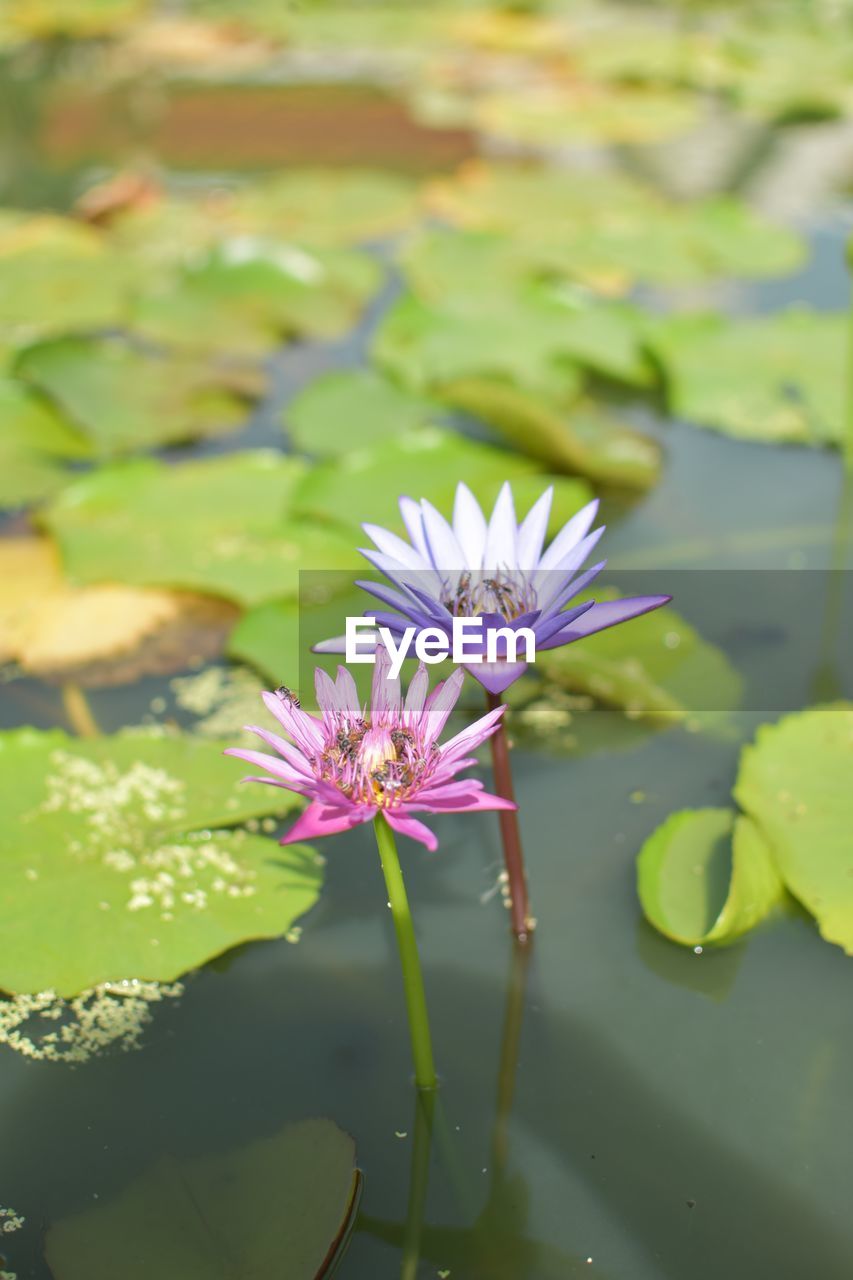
{"points": [[376, 764], [504, 591]]}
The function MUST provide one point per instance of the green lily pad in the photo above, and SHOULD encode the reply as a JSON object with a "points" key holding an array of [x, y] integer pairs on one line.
{"points": [[327, 207], [114, 866], [33, 442], [123, 398], [88, 20], [353, 409], [223, 525], [428, 464], [609, 231], [279, 1206], [57, 275], [583, 438], [794, 782], [248, 295], [767, 378], [706, 876], [267, 638], [656, 666], [514, 337], [548, 115]]}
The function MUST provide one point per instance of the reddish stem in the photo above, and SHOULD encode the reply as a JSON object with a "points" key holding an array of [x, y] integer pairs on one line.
{"points": [[522, 924]]}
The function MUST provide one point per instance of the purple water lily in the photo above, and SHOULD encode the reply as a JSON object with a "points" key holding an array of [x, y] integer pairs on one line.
{"points": [[354, 764], [496, 570]]}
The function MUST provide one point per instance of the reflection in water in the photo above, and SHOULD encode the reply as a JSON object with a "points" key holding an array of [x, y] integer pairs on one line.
{"points": [[496, 1246]]}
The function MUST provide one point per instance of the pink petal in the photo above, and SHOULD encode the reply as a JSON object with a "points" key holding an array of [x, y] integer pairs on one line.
{"points": [[305, 730], [325, 820], [292, 754], [348, 700], [271, 763], [416, 696], [471, 737], [385, 695], [440, 703], [410, 827]]}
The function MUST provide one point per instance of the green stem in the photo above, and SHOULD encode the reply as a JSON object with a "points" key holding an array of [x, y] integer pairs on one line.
{"points": [[413, 982]]}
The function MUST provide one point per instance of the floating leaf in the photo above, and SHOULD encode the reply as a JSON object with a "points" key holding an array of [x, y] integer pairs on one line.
{"points": [[583, 438], [219, 525], [773, 378], [268, 638], [123, 398], [280, 1206], [88, 20], [608, 231], [511, 337], [55, 275], [113, 866], [327, 206], [706, 876], [794, 782], [248, 295], [429, 464], [99, 634], [556, 114], [32, 442], [353, 409], [656, 666]]}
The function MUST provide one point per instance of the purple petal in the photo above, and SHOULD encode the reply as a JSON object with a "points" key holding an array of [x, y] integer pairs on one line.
{"points": [[390, 544], [549, 582], [606, 614], [471, 738], [497, 676], [445, 552]]}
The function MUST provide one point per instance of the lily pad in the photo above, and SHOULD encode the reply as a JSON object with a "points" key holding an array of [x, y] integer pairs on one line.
{"points": [[123, 398], [428, 464], [221, 525], [33, 441], [706, 876], [248, 295], [105, 634], [353, 409], [656, 667], [326, 207], [280, 1206], [57, 275], [267, 637], [116, 865], [91, 19], [794, 782], [583, 438], [767, 378], [514, 337], [609, 231]]}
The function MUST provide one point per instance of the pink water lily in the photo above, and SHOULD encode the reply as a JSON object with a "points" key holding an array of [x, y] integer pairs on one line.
{"points": [[353, 763]]}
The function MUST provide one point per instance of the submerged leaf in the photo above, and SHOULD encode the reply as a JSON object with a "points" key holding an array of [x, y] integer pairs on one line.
{"points": [[706, 876], [115, 864], [582, 438], [794, 782], [219, 525], [122, 398], [767, 378], [280, 1206]]}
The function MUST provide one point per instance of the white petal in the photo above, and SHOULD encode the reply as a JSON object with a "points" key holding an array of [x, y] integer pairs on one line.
{"points": [[469, 526], [531, 533], [501, 549], [569, 536], [390, 545], [414, 521], [445, 551]]}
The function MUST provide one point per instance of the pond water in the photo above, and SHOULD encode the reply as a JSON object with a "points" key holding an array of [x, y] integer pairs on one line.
{"points": [[611, 1105]]}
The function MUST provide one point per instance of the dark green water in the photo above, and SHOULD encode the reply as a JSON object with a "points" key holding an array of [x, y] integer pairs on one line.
{"points": [[675, 1116]]}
